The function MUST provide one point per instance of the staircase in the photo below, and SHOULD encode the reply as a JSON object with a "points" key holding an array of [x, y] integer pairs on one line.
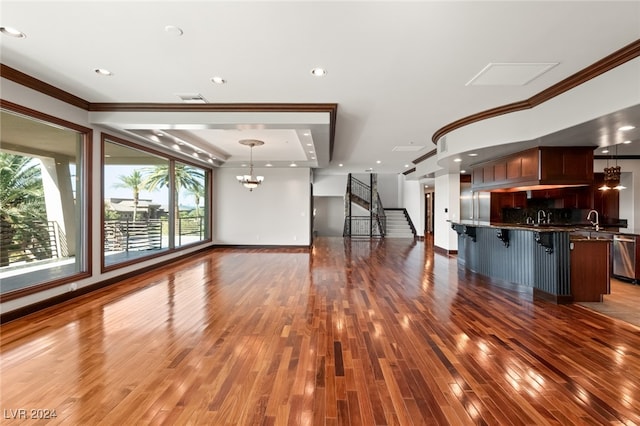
{"points": [[366, 217], [397, 224]]}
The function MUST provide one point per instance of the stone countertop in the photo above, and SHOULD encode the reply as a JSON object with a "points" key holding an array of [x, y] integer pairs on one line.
{"points": [[548, 227]]}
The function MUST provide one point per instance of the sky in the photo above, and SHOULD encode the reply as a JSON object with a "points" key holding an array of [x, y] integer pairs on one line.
{"points": [[160, 196]]}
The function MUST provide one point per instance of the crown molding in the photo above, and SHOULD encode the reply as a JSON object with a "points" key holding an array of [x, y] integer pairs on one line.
{"points": [[619, 57]]}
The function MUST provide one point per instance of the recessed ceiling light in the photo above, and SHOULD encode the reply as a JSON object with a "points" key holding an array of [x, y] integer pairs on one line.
{"points": [[473, 154], [313, 158], [218, 80], [463, 171], [378, 162], [318, 72], [605, 151], [626, 142], [311, 152], [102, 71], [309, 144], [406, 165], [625, 128], [307, 134], [173, 30], [340, 165], [12, 32], [457, 160], [268, 165], [293, 165]]}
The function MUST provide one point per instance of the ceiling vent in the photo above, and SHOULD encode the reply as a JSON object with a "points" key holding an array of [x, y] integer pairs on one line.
{"points": [[510, 74], [192, 98], [407, 148]]}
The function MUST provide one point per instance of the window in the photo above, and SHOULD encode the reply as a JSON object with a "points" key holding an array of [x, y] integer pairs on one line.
{"points": [[135, 205], [192, 211], [44, 216], [151, 203]]}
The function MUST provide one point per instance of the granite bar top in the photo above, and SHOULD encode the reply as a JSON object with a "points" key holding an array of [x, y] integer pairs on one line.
{"points": [[547, 227]]}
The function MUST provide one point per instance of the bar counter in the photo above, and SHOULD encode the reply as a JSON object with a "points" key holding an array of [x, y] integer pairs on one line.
{"points": [[541, 258]]}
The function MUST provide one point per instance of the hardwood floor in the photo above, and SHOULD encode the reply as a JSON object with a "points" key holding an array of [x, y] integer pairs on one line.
{"points": [[623, 302], [351, 332]]}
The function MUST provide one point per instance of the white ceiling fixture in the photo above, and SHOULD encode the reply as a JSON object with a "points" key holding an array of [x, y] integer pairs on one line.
{"points": [[103, 71], [12, 32], [318, 72], [192, 98], [173, 30], [218, 80], [510, 74]]}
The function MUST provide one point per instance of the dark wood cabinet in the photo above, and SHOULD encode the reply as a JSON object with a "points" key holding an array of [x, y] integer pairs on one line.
{"points": [[501, 200], [590, 269], [536, 166]]}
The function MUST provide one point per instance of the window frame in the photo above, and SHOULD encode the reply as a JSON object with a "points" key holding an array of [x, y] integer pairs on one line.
{"points": [[86, 137], [106, 137]]}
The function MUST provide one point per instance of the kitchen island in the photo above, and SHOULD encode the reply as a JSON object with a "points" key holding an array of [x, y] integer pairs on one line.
{"points": [[558, 263]]}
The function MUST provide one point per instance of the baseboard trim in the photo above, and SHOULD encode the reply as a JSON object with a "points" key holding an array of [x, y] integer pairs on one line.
{"points": [[444, 252], [262, 247]]}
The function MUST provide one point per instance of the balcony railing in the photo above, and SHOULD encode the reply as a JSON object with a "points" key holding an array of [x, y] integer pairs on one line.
{"points": [[31, 241], [129, 235]]}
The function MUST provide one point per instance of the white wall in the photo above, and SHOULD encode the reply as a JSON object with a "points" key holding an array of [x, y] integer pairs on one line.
{"points": [[389, 191], [329, 185], [413, 201], [329, 218], [447, 196], [275, 213]]}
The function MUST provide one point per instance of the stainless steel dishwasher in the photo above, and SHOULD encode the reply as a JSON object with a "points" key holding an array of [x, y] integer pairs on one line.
{"points": [[624, 256]]}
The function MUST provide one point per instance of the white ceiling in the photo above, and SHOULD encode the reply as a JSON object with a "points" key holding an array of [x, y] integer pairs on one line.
{"points": [[398, 71]]}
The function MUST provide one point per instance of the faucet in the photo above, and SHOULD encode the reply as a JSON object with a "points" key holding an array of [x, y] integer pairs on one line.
{"points": [[595, 224], [541, 212]]}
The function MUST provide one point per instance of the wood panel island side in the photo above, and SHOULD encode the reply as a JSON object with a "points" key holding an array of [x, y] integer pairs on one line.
{"points": [[556, 263]]}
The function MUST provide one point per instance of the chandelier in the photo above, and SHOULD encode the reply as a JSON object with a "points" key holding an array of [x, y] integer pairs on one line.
{"points": [[612, 176], [250, 181]]}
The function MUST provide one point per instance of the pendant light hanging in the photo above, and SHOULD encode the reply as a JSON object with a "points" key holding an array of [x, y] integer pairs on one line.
{"points": [[250, 181], [612, 176]]}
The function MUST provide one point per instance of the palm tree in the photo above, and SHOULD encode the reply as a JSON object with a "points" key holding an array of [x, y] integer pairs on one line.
{"points": [[186, 177], [22, 204], [197, 195], [134, 182]]}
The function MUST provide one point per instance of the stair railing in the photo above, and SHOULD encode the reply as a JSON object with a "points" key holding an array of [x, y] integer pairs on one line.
{"points": [[373, 225]]}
